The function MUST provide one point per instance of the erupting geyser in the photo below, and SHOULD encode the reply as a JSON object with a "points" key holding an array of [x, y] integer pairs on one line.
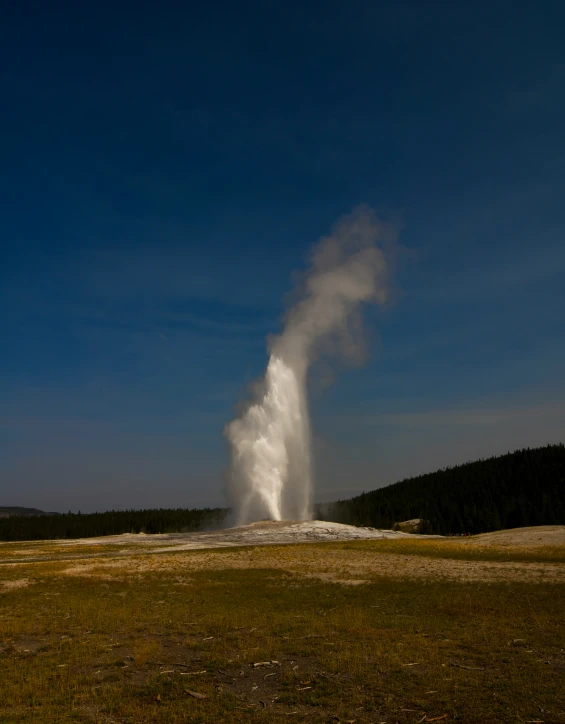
{"points": [[270, 473]]}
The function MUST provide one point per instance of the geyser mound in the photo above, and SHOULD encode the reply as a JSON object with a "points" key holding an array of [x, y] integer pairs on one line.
{"points": [[270, 474]]}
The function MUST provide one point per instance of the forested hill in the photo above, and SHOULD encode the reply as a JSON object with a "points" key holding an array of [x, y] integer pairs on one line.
{"points": [[526, 487]]}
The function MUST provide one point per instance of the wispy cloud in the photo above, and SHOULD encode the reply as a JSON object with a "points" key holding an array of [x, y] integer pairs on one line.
{"points": [[466, 416], [536, 91], [514, 272]]}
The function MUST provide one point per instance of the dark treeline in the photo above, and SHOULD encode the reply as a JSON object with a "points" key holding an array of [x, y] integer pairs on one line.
{"points": [[114, 522], [523, 488]]}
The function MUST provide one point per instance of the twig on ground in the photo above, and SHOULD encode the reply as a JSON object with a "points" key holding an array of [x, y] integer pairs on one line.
{"points": [[311, 636], [195, 694], [259, 664], [470, 668]]}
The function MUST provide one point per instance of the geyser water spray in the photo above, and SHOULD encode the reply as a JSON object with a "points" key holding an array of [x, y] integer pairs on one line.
{"points": [[270, 475]]}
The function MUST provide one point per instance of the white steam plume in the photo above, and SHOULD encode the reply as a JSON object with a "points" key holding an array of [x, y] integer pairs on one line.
{"points": [[270, 473]]}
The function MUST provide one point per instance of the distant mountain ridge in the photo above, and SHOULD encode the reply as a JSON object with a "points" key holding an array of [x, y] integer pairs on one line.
{"points": [[523, 488], [8, 511]]}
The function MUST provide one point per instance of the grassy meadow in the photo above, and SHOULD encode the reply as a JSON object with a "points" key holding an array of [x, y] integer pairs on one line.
{"points": [[284, 633]]}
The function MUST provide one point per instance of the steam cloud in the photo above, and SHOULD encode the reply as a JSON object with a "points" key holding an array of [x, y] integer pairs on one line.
{"points": [[270, 474]]}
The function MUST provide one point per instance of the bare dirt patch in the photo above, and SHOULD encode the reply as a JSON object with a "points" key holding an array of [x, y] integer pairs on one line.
{"points": [[12, 585]]}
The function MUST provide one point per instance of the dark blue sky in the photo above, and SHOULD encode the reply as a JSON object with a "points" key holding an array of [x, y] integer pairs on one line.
{"points": [[166, 166]]}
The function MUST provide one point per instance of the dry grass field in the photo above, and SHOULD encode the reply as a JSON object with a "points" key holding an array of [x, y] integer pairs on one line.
{"points": [[397, 630]]}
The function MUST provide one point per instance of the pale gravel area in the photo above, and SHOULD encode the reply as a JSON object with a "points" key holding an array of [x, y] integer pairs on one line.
{"points": [[342, 566], [183, 554], [263, 533]]}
